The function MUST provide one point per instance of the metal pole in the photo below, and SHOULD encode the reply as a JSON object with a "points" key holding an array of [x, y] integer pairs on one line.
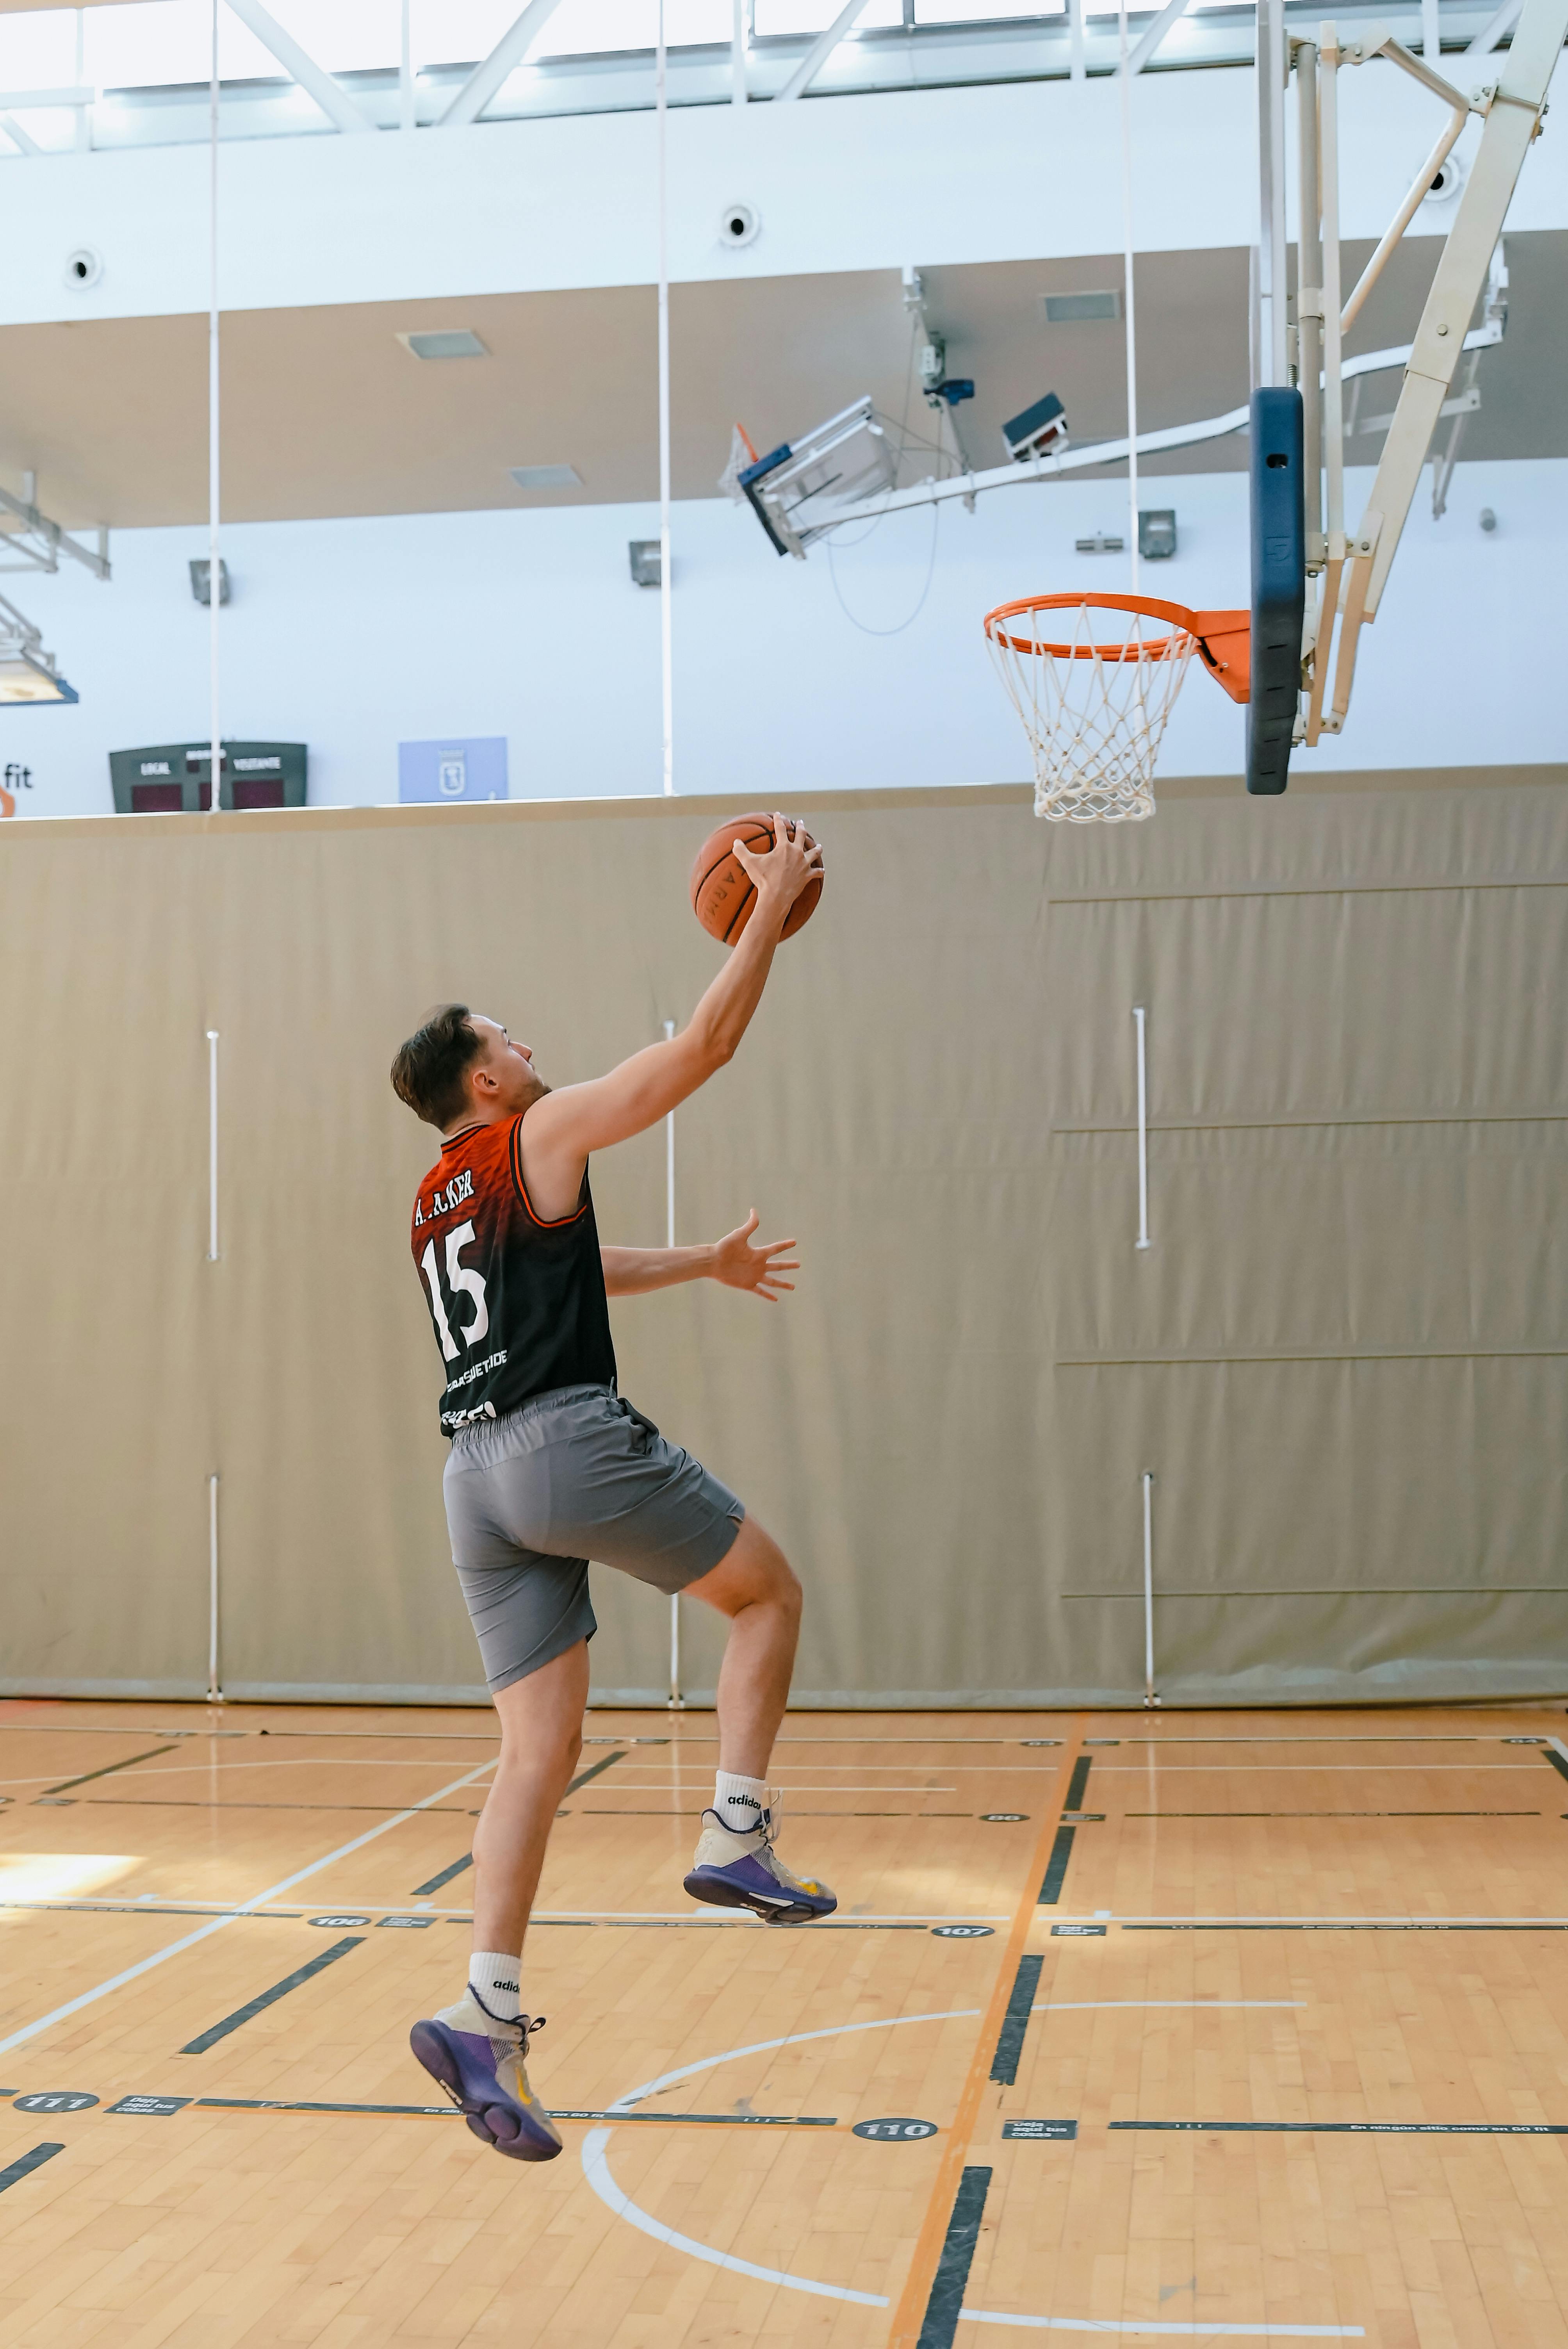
{"points": [[1309, 296], [1148, 1696], [405, 120], [1432, 38], [215, 1685], [677, 1703], [1125, 79], [666, 616], [1271, 322], [1139, 1016], [1077, 69], [211, 1145], [215, 560], [738, 53]]}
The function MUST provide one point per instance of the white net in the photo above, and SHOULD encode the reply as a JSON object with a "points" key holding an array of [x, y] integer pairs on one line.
{"points": [[1094, 683]]}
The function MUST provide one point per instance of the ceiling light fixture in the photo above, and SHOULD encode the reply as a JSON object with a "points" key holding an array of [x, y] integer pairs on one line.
{"points": [[444, 343], [546, 477], [27, 672]]}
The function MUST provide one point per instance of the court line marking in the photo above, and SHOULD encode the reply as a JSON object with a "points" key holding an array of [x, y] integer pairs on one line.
{"points": [[597, 2172], [204, 1932], [1085, 2005], [910, 2310]]}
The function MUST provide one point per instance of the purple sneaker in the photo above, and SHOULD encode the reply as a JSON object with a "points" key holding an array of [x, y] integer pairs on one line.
{"points": [[742, 1870], [479, 2062]]}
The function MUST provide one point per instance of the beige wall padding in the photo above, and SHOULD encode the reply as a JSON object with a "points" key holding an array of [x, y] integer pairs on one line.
{"points": [[1344, 1357]]}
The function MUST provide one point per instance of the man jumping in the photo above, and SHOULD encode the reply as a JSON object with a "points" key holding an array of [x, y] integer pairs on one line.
{"points": [[549, 1467]]}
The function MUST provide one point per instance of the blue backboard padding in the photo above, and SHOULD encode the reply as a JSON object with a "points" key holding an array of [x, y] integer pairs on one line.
{"points": [[455, 767], [1278, 508]]}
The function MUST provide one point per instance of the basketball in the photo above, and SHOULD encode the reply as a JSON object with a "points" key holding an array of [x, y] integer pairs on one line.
{"points": [[722, 896]]}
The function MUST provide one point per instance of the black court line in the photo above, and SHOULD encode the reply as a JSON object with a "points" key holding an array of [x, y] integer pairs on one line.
{"points": [[106, 1772], [1078, 1784], [270, 1997], [557, 2113], [1016, 2022], [1056, 1867], [1358, 2128], [1556, 1762], [952, 2275], [24, 2168], [445, 1877]]}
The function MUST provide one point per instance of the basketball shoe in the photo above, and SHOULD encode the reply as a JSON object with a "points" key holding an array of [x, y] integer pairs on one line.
{"points": [[481, 2064], [741, 1870]]}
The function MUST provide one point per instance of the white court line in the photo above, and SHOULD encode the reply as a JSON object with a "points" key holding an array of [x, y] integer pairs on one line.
{"points": [[203, 1932], [596, 2170]]}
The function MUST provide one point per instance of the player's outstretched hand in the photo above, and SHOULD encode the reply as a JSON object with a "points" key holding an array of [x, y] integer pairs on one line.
{"points": [[785, 869], [740, 1265]]}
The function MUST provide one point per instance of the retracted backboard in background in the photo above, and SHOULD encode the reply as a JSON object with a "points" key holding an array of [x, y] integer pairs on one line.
{"points": [[453, 768]]}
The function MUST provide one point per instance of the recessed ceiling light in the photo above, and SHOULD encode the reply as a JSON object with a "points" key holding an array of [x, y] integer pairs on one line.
{"points": [[546, 477], [444, 343], [1072, 309]]}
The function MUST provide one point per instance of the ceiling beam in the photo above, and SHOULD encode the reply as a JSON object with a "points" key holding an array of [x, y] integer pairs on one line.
{"points": [[1151, 38], [820, 50], [329, 94], [1493, 31], [507, 55]]}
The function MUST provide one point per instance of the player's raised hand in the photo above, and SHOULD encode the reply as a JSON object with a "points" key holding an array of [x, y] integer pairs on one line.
{"points": [[740, 1265], [783, 871]]}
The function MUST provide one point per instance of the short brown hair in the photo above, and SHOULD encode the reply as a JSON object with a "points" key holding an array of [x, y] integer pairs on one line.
{"points": [[428, 1071]]}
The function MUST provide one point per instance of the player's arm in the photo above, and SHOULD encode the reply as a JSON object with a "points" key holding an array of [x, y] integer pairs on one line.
{"points": [[632, 1272], [559, 1132]]}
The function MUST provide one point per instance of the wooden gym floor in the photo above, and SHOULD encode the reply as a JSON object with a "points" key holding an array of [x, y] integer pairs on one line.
{"points": [[1209, 2027]]}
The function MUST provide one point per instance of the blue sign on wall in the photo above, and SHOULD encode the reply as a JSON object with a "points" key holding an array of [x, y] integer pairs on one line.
{"points": [[453, 769]]}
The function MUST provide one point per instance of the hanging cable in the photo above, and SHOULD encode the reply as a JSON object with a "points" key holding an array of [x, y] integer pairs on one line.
{"points": [[215, 561], [1128, 313], [666, 614], [930, 574]]}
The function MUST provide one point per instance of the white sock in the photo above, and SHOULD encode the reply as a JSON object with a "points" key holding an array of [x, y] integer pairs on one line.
{"points": [[739, 1801], [493, 1977]]}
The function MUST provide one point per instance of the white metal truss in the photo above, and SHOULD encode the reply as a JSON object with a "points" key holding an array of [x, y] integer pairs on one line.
{"points": [[1354, 568], [484, 83], [301, 66], [39, 542], [822, 49]]}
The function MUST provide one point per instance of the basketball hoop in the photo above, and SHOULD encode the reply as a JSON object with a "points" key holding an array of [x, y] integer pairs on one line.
{"points": [[1094, 678]]}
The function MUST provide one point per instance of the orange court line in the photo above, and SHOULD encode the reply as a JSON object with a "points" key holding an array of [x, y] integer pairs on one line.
{"points": [[909, 2316]]}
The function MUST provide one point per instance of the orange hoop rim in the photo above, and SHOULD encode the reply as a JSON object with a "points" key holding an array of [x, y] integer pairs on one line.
{"points": [[1183, 624]]}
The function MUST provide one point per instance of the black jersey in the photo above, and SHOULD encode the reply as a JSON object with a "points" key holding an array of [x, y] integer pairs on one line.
{"points": [[518, 1304]]}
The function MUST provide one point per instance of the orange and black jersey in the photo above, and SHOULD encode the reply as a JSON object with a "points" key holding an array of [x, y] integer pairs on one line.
{"points": [[518, 1304]]}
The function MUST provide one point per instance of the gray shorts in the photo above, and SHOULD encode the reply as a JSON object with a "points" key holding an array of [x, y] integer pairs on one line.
{"points": [[569, 1476]]}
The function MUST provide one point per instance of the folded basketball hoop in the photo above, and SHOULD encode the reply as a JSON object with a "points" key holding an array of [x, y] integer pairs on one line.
{"points": [[1094, 678]]}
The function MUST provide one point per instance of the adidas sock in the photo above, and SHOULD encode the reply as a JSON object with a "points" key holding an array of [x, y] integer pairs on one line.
{"points": [[739, 1801], [493, 1977]]}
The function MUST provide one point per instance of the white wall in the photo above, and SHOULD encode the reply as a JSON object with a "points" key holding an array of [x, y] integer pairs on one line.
{"points": [[1018, 172], [351, 636]]}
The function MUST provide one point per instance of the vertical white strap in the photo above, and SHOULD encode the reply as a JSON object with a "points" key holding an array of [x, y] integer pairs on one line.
{"points": [[1431, 37], [1137, 1017], [677, 1701], [214, 569], [211, 1145], [667, 616], [1148, 1695], [1125, 81], [214, 1677], [738, 53], [1077, 69]]}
